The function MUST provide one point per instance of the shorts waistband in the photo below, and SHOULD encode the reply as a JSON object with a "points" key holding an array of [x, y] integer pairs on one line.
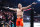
{"points": [[20, 18]]}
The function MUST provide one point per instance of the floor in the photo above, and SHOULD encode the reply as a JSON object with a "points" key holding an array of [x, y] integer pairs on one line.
{"points": [[27, 24]]}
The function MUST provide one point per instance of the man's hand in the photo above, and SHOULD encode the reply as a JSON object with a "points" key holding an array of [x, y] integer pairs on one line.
{"points": [[34, 3]]}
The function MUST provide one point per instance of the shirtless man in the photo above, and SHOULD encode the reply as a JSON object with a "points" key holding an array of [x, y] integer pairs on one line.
{"points": [[19, 11]]}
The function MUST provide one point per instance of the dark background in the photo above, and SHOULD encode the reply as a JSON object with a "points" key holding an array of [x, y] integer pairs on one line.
{"points": [[14, 3]]}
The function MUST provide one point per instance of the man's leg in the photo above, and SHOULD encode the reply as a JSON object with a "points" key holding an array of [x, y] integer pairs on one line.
{"points": [[21, 26], [21, 22], [17, 23], [17, 26]]}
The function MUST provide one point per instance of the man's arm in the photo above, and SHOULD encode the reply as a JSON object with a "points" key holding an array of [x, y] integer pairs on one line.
{"points": [[29, 6], [13, 9], [26, 7], [10, 8]]}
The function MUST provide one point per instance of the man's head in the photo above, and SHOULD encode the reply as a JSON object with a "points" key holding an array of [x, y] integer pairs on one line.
{"points": [[19, 5]]}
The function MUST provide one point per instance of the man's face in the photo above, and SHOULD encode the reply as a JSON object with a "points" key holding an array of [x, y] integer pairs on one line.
{"points": [[19, 6]]}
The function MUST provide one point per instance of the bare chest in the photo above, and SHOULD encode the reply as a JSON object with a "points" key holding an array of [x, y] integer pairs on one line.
{"points": [[19, 12]]}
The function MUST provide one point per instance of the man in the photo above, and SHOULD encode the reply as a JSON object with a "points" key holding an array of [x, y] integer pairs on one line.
{"points": [[19, 11]]}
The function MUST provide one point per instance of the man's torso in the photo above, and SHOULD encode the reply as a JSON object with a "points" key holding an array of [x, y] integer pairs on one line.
{"points": [[19, 13]]}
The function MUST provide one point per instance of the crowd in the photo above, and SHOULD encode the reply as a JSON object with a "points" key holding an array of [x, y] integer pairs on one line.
{"points": [[6, 17], [37, 19]]}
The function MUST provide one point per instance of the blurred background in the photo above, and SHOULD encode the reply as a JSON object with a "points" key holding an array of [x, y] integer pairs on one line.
{"points": [[27, 13]]}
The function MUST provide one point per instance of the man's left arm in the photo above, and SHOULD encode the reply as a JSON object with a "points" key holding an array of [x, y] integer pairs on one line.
{"points": [[29, 6]]}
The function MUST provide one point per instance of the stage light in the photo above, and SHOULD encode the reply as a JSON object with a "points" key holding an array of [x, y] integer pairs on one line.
{"points": [[28, 18], [38, 0]]}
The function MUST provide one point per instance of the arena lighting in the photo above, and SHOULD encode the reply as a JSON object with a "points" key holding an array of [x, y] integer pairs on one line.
{"points": [[28, 18], [34, 12], [38, 0]]}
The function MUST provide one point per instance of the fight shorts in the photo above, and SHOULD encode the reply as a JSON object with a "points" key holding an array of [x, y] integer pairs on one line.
{"points": [[19, 22]]}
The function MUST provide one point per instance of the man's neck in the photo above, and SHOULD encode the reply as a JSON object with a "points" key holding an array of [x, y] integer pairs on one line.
{"points": [[20, 8]]}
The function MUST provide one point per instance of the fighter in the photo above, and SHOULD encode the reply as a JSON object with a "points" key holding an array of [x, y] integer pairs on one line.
{"points": [[19, 11]]}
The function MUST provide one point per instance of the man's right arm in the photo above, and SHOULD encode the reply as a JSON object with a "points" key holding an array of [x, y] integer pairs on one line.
{"points": [[10, 8]]}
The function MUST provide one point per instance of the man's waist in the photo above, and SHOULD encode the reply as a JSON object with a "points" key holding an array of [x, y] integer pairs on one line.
{"points": [[19, 15], [19, 18]]}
